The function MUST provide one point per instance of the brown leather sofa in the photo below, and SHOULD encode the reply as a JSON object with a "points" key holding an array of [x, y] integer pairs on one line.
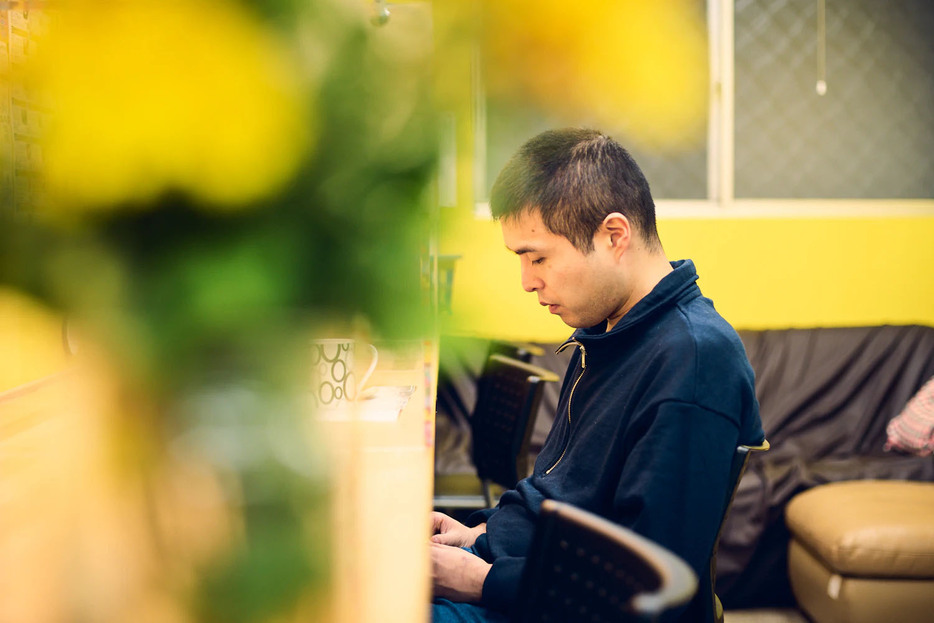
{"points": [[826, 396], [862, 551]]}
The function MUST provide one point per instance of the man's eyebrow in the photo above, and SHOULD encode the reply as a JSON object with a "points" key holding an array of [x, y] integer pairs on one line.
{"points": [[523, 250]]}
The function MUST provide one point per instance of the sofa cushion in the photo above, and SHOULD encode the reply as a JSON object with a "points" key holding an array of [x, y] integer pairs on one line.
{"points": [[830, 598], [868, 528], [912, 430]]}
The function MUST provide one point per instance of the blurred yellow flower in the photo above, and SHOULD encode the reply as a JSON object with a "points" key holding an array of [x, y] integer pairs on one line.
{"points": [[146, 97], [31, 335], [639, 65]]}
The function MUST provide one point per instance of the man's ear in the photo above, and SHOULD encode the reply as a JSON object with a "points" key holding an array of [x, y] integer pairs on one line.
{"points": [[617, 231]]}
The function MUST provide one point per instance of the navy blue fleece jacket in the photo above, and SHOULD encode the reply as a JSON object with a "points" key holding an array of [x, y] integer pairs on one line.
{"points": [[649, 418]]}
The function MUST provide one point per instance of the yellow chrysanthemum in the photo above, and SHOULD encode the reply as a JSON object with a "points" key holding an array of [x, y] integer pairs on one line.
{"points": [[152, 96]]}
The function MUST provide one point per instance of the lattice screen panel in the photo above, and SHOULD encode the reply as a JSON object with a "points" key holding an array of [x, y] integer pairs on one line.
{"points": [[671, 175], [870, 136], [22, 116]]}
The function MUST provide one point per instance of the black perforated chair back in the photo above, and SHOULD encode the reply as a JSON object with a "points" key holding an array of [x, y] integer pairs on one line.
{"points": [[585, 569], [508, 396]]}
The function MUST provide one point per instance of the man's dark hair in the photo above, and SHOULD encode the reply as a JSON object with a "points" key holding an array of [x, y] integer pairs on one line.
{"points": [[574, 178]]}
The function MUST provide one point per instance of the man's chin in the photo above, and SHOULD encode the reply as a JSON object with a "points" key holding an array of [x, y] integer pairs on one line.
{"points": [[580, 323], [574, 323]]}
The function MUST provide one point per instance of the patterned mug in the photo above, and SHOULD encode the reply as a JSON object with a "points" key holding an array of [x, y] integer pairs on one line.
{"points": [[334, 384]]}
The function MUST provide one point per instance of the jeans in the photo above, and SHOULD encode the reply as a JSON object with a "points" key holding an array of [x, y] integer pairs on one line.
{"points": [[444, 611]]}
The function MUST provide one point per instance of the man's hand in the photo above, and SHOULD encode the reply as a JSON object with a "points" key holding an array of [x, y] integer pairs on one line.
{"points": [[456, 574], [448, 531]]}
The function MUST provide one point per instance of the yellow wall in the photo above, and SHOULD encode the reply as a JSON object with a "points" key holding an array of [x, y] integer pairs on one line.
{"points": [[760, 272]]}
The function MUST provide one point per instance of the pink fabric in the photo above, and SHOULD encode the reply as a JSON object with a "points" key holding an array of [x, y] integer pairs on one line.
{"points": [[912, 430]]}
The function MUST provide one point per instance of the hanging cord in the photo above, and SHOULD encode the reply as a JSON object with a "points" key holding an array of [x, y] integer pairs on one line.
{"points": [[821, 86]]}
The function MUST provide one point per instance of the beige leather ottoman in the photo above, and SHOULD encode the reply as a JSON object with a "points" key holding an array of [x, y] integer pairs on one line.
{"points": [[863, 552]]}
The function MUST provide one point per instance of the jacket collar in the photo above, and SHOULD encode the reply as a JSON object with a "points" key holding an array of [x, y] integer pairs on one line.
{"points": [[677, 285]]}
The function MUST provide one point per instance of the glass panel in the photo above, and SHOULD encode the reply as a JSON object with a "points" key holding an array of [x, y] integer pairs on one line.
{"points": [[671, 175], [673, 172], [870, 136]]}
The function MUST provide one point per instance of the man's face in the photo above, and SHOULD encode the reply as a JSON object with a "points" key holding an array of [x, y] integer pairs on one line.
{"points": [[583, 290]]}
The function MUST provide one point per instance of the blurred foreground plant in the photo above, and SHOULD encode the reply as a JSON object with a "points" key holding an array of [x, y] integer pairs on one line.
{"points": [[220, 179]]}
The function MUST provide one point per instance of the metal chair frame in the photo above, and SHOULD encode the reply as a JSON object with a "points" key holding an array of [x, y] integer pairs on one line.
{"points": [[737, 469]]}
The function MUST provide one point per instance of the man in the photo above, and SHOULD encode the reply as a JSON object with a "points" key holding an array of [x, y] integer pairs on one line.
{"points": [[657, 395]]}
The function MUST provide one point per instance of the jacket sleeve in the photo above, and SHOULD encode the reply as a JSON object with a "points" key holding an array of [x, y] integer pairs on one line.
{"points": [[502, 583], [675, 479], [478, 517]]}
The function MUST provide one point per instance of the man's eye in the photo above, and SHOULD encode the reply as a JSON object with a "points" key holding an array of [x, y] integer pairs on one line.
{"points": [[538, 261]]}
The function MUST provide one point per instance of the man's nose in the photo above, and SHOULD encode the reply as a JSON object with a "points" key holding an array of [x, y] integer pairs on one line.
{"points": [[530, 282]]}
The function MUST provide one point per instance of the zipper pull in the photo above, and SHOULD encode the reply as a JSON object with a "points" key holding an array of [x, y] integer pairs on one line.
{"points": [[579, 346]]}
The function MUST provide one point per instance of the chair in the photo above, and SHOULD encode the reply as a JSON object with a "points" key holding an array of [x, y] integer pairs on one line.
{"points": [[508, 396], [522, 351], [737, 469], [584, 568]]}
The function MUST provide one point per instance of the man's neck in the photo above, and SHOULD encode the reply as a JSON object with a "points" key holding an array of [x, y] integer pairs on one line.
{"points": [[647, 270]]}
